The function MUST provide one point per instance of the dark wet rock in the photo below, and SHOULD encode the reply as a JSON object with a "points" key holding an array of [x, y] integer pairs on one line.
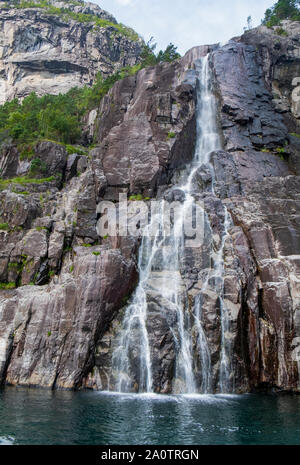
{"points": [[71, 167], [246, 101], [202, 179], [54, 328], [175, 195], [9, 158], [54, 156], [158, 113]]}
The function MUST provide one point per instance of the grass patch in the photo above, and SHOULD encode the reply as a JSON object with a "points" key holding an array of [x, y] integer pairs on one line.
{"points": [[38, 167], [71, 149], [281, 32], [6, 286], [21, 192], [97, 254], [137, 197], [14, 266], [26, 152], [171, 135], [4, 226], [4, 183]]}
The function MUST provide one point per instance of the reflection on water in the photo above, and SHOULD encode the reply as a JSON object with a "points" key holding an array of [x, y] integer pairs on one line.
{"points": [[29, 416]]}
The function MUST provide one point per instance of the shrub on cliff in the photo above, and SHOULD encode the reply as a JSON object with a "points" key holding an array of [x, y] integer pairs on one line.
{"points": [[283, 9], [150, 59], [55, 117], [59, 117], [52, 116]]}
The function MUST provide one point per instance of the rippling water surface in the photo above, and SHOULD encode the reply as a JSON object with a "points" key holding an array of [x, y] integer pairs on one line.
{"points": [[29, 416]]}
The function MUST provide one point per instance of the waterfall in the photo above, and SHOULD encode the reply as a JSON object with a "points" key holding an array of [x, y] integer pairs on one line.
{"points": [[160, 260]]}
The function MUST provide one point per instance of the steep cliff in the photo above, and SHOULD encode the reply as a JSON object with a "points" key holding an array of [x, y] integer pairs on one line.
{"points": [[49, 230], [58, 326], [56, 45]]}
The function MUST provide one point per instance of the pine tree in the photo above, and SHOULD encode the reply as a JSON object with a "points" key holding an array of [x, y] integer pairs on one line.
{"points": [[283, 9]]}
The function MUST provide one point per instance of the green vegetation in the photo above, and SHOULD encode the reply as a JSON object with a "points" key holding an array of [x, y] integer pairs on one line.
{"points": [[71, 269], [97, 253], [280, 151], [49, 333], [86, 245], [5, 286], [171, 135], [4, 183], [150, 59], [295, 134], [20, 192], [57, 118], [4, 226], [138, 197], [37, 166], [60, 118], [283, 9], [26, 151], [14, 266], [281, 32], [71, 149]]}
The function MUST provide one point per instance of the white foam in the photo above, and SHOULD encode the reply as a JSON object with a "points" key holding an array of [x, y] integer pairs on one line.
{"points": [[6, 440], [179, 398]]}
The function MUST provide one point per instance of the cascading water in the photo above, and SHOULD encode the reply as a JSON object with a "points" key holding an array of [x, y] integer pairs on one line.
{"points": [[160, 259]]}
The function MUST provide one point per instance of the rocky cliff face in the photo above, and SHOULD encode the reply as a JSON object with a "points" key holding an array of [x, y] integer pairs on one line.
{"points": [[49, 50], [50, 239], [58, 327]]}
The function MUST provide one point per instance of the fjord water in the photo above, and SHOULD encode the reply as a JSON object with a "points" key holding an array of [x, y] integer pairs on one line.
{"points": [[160, 259], [30, 416]]}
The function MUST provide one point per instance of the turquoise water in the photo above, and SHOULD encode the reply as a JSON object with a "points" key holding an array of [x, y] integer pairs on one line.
{"points": [[32, 416]]}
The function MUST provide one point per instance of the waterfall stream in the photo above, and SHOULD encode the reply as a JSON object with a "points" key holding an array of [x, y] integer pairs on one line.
{"points": [[160, 265]]}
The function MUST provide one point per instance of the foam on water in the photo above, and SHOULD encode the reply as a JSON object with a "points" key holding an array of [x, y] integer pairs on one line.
{"points": [[178, 398], [6, 440]]}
